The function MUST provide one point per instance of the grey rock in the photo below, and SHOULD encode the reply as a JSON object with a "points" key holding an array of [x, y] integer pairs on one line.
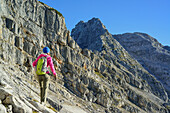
{"points": [[86, 52], [167, 48], [72, 44], [41, 107], [5, 93], [9, 109], [91, 97], [27, 47], [96, 75], [83, 31], [150, 53], [19, 106], [18, 42], [61, 41], [2, 109], [54, 105], [114, 53], [103, 100], [10, 24], [19, 57]]}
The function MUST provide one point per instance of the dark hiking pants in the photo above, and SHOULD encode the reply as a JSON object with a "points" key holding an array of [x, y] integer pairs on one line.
{"points": [[44, 82]]}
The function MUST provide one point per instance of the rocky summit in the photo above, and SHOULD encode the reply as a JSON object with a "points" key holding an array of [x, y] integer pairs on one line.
{"points": [[99, 73]]}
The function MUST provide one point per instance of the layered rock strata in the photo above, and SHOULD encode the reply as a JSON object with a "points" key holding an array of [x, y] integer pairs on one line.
{"points": [[105, 80], [152, 55]]}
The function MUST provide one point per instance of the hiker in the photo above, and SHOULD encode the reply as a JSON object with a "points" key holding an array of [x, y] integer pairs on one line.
{"points": [[41, 65]]}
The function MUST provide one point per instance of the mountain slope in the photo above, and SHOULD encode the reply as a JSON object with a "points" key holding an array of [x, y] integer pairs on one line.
{"points": [[107, 80], [25, 28], [87, 36], [150, 53], [109, 48]]}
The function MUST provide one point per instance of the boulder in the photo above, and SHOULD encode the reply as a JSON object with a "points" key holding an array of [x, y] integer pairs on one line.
{"points": [[41, 107], [18, 105], [72, 44], [2, 109], [86, 52]]}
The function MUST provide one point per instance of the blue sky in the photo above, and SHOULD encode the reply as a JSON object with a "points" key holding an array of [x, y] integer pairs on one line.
{"points": [[119, 16]]}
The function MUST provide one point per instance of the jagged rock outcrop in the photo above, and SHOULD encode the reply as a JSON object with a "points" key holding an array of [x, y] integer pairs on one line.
{"points": [[103, 79], [111, 51], [109, 47], [84, 31], [25, 28], [153, 56]]}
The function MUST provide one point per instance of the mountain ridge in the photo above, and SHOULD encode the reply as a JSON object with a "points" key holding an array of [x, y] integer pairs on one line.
{"points": [[136, 40], [104, 80], [150, 54]]}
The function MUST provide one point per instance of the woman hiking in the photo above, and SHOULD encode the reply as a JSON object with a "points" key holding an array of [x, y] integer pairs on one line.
{"points": [[41, 65]]}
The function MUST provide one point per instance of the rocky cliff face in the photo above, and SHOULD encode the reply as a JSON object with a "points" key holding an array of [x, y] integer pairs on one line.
{"points": [[84, 31], [153, 56], [111, 51], [102, 78]]}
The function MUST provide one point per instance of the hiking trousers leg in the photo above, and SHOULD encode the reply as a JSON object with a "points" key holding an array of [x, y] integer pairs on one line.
{"points": [[43, 82]]}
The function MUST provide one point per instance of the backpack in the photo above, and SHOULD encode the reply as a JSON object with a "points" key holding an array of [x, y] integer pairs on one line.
{"points": [[41, 67]]}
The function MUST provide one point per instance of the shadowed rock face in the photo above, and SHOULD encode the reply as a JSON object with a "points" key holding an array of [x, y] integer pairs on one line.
{"points": [[153, 56], [97, 76], [83, 32], [167, 48]]}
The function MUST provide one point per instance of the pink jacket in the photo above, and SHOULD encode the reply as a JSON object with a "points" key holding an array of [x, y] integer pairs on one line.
{"points": [[49, 63]]}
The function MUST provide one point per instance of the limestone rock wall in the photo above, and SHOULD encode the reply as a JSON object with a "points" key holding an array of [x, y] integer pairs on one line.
{"points": [[106, 80]]}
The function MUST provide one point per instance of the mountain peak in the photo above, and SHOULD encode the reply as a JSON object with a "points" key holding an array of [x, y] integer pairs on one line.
{"points": [[97, 22], [105, 81], [87, 34], [93, 23]]}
